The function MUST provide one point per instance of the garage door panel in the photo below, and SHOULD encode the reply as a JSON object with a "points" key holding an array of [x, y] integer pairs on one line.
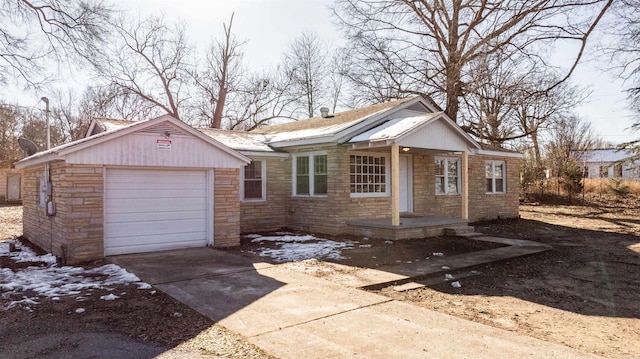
{"points": [[117, 218], [174, 193], [150, 227], [139, 248], [153, 205], [150, 210], [156, 239]]}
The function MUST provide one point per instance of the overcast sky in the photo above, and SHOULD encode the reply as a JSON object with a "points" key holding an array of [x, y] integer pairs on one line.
{"points": [[269, 26]]}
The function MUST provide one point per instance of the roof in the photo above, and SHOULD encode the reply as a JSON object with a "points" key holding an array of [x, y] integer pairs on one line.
{"points": [[394, 128], [58, 152], [338, 121], [239, 140], [339, 127], [604, 155], [99, 125]]}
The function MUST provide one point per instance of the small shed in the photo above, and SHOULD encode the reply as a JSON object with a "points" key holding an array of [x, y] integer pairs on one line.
{"points": [[148, 186], [10, 185]]}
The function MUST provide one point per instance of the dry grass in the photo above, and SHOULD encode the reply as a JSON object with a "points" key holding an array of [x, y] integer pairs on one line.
{"points": [[10, 221], [599, 186]]}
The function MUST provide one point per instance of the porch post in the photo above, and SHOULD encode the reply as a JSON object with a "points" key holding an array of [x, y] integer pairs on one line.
{"points": [[465, 185], [395, 184]]}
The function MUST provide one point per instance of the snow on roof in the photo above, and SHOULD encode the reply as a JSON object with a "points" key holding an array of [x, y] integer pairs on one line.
{"points": [[238, 140], [393, 129], [321, 126], [604, 155], [110, 124]]}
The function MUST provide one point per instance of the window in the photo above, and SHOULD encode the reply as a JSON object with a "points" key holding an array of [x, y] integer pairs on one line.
{"points": [[368, 175], [617, 171], [495, 176], [447, 176], [310, 175], [604, 171], [254, 181]]}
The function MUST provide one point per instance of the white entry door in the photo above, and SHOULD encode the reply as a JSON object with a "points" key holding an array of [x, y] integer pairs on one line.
{"points": [[152, 210], [406, 184]]}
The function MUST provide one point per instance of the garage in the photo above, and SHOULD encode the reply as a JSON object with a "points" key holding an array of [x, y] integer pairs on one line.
{"points": [[143, 186], [151, 210]]}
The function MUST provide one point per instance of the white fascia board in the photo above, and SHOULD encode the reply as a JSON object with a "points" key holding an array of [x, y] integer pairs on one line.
{"points": [[499, 153], [302, 142], [258, 154], [38, 160]]}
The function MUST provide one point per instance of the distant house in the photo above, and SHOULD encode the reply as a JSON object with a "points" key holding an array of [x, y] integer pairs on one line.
{"points": [[396, 170], [609, 163], [10, 185]]}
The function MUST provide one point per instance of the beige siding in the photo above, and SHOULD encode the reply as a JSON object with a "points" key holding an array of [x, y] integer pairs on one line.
{"points": [[141, 149]]}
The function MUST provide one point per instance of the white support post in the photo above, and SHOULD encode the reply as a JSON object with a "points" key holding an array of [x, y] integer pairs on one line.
{"points": [[395, 185], [465, 185]]}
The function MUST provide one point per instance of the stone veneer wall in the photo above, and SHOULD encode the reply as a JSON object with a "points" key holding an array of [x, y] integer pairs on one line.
{"points": [[226, 226], [257, 216], [484, 206], [75, 233], [330, 214]]}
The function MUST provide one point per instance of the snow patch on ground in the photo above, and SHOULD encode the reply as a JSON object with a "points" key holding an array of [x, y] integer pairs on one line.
{"points": [[292, 248], [47, 279]]}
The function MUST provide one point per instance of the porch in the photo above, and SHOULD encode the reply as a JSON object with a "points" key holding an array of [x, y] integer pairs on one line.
{"points": [[409, 227]]}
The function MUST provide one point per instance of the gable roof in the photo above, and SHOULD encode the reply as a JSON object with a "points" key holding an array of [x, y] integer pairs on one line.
{"points": [[427, 131], [341, 126], [58, 153], [604, 155]]}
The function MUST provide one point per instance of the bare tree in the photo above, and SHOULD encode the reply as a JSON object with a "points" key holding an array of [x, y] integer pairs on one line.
{"points": [[625, 54], [261, 99], [34, 32], [308, 63], [570, 138], [425, 47], [220, 77], [148, 59]]}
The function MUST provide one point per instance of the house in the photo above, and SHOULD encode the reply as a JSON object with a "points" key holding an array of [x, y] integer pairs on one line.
{"points": [[396, 170], [10, 185], [609, 163]]}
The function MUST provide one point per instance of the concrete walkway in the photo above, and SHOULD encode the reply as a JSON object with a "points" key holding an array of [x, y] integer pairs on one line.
{"points": [[291, 314]]}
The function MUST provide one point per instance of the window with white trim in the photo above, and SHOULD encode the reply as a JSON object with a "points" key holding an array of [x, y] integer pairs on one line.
{"points": [[447, 176], [310, 174], [254, 181], [368, 175], [495, 175]]}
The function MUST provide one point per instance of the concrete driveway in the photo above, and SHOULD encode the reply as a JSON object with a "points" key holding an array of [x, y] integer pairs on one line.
{"points": [[291, 314]]}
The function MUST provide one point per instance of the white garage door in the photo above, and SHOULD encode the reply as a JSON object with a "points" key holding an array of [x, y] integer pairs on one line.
{"points": [[151, 210]]}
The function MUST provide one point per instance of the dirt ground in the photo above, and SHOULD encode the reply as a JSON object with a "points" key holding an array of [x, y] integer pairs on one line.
{"points": [[584, 293], [140, 324]]}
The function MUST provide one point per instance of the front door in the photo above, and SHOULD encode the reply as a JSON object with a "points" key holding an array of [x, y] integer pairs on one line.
{"points": [[406, 184]]}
